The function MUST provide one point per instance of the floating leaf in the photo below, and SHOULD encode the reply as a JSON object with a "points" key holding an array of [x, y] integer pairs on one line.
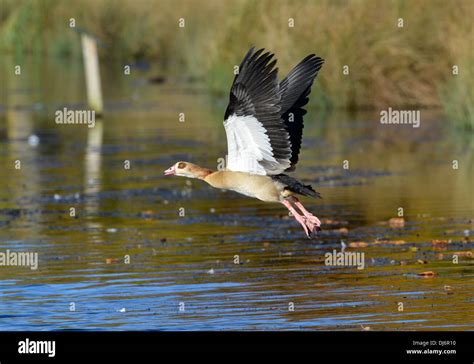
{"points": [[111, 260], [427, 274], [440, 242], [343, 231], [358, 244], [396, 222], [397, 242], [467, 254]]}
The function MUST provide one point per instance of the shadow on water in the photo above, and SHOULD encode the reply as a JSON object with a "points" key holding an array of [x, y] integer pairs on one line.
{"points": [[230, 262]]}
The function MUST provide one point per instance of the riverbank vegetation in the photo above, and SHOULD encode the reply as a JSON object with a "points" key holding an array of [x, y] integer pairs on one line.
{"points": [[411, 54]]}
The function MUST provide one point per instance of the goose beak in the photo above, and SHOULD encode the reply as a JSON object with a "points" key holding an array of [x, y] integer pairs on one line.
{"points": [[170, 171]]}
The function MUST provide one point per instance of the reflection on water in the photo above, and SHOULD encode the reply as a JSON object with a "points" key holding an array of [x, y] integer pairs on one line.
{"points": [[189, 262]]}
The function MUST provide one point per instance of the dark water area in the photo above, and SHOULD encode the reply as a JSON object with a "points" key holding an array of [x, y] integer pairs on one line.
{"points": [[205, 259]]}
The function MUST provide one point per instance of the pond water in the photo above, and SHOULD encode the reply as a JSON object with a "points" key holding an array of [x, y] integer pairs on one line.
{"points": [[231, 262]]}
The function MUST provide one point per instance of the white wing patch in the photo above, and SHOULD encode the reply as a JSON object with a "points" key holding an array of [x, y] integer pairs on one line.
{"points": [[248, 144]]}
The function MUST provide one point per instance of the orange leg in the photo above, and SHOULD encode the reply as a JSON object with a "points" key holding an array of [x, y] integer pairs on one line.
{"points": [[312, 221], [301, 219]]}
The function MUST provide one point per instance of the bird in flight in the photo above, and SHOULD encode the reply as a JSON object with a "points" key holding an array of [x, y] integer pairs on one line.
{"points": [[264, 128]]}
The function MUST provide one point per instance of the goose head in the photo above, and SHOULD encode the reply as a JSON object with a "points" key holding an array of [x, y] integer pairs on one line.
{"points": [[186, 169]]}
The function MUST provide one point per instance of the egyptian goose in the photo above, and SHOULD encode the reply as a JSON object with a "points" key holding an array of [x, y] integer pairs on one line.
{"points": [[264, 127]]}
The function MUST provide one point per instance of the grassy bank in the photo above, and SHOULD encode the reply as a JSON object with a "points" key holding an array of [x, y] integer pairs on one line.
{"points": [[409, 66]]}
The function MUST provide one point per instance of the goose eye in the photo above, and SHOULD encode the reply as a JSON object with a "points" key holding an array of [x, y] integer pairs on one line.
{"points": [[181, 165]]}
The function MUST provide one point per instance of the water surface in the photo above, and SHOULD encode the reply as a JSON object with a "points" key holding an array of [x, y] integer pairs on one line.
{"points": [[182, 273]]}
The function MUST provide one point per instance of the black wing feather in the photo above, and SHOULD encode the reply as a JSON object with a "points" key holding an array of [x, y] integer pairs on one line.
{"points": [[292, 184], [255, 92], [294, 90]]}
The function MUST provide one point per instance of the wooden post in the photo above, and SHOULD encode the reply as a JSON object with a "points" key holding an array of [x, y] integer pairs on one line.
{"points": [[92, 171], [91, 65]]}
